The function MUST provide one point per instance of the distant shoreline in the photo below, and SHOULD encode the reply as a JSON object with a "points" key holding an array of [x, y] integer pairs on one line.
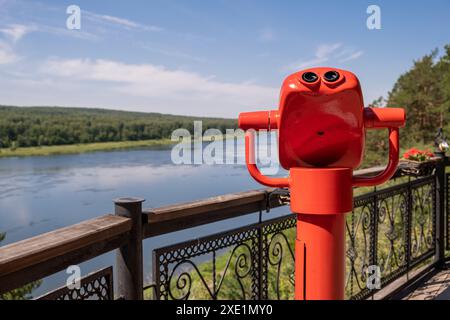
{"points": [[82, 148], [93, 147]]}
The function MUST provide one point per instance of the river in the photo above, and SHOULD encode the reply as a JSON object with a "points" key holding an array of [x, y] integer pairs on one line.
{"points": [[40, 194]]}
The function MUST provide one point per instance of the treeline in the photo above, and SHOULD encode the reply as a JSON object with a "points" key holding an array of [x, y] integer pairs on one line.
{"points": [[44, 126], [424, 92]]}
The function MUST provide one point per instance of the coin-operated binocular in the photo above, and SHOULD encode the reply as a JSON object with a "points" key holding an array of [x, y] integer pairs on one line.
{"points": [[321, 123]]}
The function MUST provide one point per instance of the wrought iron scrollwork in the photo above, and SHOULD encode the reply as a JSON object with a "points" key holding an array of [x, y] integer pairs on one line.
{"points": [[392, 232], [278, 244], [392, 229], [423, 221], [238, 269], [447, 188], [359, 226]]}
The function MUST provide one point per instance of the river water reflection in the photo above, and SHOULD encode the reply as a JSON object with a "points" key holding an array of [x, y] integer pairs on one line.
{"points": [[40, 194]]}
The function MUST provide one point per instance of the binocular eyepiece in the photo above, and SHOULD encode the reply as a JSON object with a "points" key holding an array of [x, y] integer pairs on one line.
{"points": [[329, 76], [310, 77]]}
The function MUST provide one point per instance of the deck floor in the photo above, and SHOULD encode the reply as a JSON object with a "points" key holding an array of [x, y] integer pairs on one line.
{"points": [[435, 288]]}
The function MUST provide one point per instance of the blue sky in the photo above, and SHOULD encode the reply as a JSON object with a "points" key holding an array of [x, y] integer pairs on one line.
{"points": [[208, 58]]}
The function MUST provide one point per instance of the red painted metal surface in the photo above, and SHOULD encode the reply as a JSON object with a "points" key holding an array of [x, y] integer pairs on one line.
{"points": [[320, 257], [321, 191], [394, 149], [253, 169], [321, 123]]}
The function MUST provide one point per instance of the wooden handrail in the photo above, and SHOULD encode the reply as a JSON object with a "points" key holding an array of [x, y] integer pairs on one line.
{"points": [[190, 214], [59, 248]]}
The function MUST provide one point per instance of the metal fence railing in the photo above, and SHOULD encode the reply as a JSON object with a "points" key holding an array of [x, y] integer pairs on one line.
{"points": [[447, 189], [391, 229]]}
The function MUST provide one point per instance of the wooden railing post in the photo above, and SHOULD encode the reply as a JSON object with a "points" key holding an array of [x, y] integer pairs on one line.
{"points": [[129, 262], [439, 257]]}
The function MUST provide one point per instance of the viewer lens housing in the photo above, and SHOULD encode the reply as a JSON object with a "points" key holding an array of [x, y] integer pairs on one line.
{"points": [[331, 76], [310, 77]]}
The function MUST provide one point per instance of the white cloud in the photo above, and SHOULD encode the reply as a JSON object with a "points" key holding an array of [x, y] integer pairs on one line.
{"points": [[352, 56], [12, 33], [156, 48], [325, 50], [7, 54], [321, 55], [325, 53], [64, 32], [308, 63], [16, 31], [138, 87], [122, 22], [147, 79]]}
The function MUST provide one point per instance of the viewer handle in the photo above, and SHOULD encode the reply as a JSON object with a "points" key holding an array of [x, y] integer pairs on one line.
{"points": [[392, 119], [253, 169]]}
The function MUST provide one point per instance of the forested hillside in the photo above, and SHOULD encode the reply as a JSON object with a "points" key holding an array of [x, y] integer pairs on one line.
{"points": [[424, 92], [41, 126]]}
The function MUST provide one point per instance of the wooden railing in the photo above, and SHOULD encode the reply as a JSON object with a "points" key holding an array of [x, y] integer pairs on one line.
{"points": [[35, 258], [38, 257]]}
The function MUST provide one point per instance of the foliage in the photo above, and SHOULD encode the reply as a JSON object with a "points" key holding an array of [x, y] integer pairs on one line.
{"points": [[424, 91], [23, 293], [47, 126]]}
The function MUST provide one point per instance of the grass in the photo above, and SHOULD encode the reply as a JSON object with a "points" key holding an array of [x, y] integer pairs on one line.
{"points": [[92, 147], [82, 148]]}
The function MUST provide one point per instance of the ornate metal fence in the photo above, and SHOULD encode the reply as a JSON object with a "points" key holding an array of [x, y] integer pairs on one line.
{"points": [[447, 232], [255, 261], [95, 286], [390, 229]]}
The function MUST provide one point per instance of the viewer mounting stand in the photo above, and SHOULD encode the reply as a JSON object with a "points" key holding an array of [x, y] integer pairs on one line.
{"points": [[321, 123]]}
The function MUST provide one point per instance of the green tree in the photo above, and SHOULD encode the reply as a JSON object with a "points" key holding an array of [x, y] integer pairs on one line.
{"points": [[443, 72], [40, 126], [420, 92]]}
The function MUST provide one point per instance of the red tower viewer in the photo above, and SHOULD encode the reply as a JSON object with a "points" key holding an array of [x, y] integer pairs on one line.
{"points": [[321, 123]]}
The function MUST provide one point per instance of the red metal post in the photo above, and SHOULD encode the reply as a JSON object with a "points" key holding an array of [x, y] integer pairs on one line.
{"points": [[320, 257], [321, 198], [321, 125]]}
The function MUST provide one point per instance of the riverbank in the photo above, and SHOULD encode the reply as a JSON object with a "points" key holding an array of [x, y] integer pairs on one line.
{"points": [[82, 148], [97, 146]]}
